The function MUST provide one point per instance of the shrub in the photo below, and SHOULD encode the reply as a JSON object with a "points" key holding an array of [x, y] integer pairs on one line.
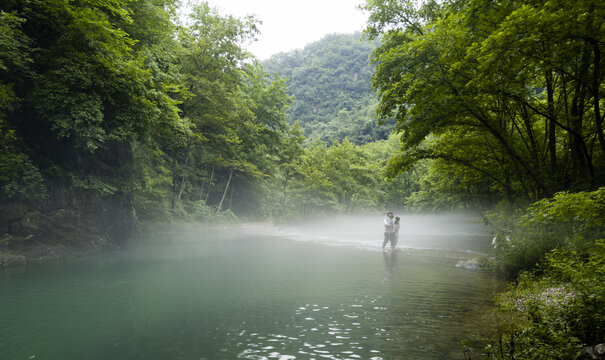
{"points": [[555, 314], [568, 221], [205, 213]]}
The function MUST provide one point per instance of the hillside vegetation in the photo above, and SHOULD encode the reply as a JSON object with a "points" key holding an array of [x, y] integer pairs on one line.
{"points": [[330, 82]]}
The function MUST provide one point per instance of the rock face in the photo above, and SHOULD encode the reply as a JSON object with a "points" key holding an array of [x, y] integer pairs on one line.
{"points": [[32, 235], [596, 352], [9, 259], [28, 227]]}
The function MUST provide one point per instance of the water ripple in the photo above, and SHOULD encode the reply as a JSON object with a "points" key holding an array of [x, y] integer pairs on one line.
{"points": [[252, 298]]}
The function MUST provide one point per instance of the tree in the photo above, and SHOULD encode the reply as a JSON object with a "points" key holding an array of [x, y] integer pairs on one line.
{"points": [[503, 80], [312, 191], [86, 95], [19, 177]]}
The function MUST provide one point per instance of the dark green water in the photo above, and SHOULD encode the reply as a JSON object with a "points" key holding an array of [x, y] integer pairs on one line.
{"points": [[236, 296]]}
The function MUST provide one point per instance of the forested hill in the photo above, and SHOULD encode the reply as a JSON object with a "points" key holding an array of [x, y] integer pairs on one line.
{"points": [[330, 80]]}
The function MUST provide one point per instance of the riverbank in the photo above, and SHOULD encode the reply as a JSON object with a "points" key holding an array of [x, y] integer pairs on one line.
{"points": [[39, 253], [30, 235], [44, 246], [554, 251]]}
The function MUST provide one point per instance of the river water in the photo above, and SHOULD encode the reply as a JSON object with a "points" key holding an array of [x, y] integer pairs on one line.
{"points": [[320, 291]]}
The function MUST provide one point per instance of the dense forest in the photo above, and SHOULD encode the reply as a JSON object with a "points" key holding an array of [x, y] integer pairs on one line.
{"points": [[114, 114], [118, 116], [330, 83]]}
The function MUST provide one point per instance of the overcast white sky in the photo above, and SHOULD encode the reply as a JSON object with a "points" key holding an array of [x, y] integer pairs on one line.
{"points": [[292, 24]]}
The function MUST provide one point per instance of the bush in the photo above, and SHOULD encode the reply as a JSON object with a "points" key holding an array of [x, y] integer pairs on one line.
{"points": [[566, 221], [208, 214], [202, 211], [555, 314]]}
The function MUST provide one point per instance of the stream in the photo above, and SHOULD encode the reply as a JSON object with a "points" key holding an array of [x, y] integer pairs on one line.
{"points": [[324, 290]]}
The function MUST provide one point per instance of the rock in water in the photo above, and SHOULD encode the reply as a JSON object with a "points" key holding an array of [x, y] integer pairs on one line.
{"points": [[469, 264]]}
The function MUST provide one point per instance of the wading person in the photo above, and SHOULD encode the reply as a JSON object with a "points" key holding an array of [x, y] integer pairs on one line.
{"points": [[388, 230], [395, 237]]}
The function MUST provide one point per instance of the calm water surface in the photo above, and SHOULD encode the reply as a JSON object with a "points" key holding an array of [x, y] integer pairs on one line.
{"points": [[251, 294]]}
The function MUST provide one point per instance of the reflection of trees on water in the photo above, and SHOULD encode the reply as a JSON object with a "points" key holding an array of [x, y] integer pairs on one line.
{"points": [[391, 263]]}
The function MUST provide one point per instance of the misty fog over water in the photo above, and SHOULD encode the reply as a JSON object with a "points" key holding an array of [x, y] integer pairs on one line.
{"points": [[456, 233], [322, 290]]}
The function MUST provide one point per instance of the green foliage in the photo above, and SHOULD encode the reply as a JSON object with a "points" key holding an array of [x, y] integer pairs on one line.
{"points": [[118, 108], [504, 93], [346, 178], [554, 315], [569, 221], [313, 189], [444, 187], [88, 87], [19, 177], [14, 57], [152, 173], [120, 112], [330, 81], [395, 192]]}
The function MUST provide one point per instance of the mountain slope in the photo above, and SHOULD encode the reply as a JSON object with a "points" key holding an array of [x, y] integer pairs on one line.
{"points": [[330, 80]]}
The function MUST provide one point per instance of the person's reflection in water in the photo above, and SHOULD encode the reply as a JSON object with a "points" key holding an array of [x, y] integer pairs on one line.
{"points": [[391, 262]]}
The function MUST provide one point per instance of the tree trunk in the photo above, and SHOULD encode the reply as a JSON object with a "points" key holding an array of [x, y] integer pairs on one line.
{"points": [[202, 187], [187, 160], [580, 157], [534, 153], [209, 185], [173, 178], [181, 187], [596, 82], [220, 204], [231, 197], [550, 126], [285, 192], [541, 186], [484, 120]]}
